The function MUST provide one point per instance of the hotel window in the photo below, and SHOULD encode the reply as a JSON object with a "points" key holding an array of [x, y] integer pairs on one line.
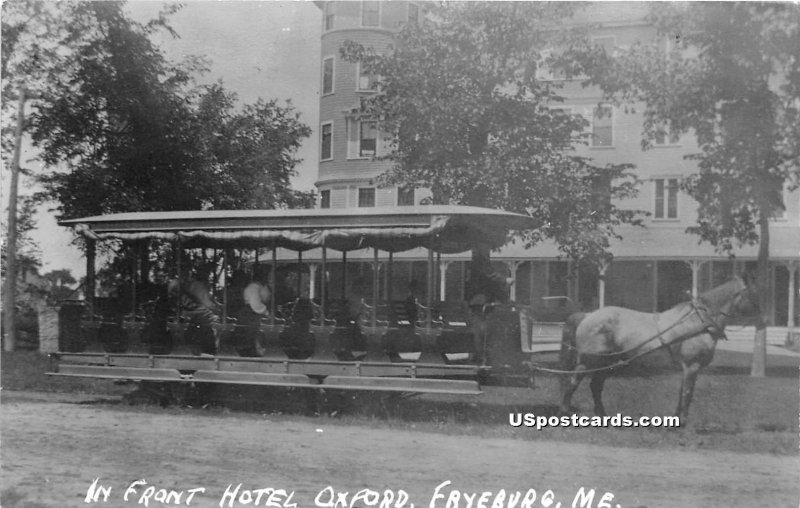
{"points": [[329, 15], [325, 199], [413, 13], [366, 81], [666, 198], [366, 197], [665, 137], [405, 196], [326, 141], [370, 13], [368, 139], [602, 126], [327, 75], [362, 139]]}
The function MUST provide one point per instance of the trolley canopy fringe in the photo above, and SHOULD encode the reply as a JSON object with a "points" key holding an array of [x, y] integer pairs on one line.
{"points": [[391, 229]]}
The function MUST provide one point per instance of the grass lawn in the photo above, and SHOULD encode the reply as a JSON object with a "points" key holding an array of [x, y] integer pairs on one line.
{"points": [[25, 371], [731, 410]]}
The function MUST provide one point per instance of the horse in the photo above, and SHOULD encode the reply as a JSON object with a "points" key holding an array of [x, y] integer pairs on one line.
{"points": [[595, 344]]}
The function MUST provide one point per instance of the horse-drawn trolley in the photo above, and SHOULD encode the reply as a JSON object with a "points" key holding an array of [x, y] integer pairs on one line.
{"points": [[176, 320]]}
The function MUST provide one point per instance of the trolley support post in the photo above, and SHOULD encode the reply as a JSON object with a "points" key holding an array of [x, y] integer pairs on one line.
{"points": [[375, 288], [389, 277], [299, 273], [344, 275], [322, 284], [178, 255], [134, 273], [224, 286], [438, 275], [274, 267], [90, 276], [430, 283]]}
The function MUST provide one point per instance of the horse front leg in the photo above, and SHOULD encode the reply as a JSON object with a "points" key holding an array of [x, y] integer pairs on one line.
{"points": [[690, 373], [679, 409], [569, 386], [598, 380]]}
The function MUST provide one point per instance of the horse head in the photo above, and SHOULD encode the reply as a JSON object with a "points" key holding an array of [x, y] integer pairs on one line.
{"points": [[746, 298], [736, 298]]}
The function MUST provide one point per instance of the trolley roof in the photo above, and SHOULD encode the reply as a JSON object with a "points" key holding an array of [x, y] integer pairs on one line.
{"points": [[443, 228]]}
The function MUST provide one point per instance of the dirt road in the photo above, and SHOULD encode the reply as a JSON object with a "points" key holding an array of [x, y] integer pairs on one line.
{"points": [[52, 451]]}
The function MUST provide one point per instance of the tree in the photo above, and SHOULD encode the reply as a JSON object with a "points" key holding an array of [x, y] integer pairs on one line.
{"points": [[124, 129], [732, 78], [120, 128], [472, 122], [250, 154], [58, 284]]}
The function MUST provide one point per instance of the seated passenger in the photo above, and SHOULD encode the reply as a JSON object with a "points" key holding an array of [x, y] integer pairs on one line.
{"points": [[297, 339], [410, 303], [252, 298], [196, 303], [198, 308], [256, 297]]}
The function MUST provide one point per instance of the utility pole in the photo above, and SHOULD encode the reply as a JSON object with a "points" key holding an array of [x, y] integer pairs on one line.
{"points": [[9, 303]]}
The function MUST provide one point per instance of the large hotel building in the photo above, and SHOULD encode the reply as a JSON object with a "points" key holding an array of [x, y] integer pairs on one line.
{"points": [[653, 268]]}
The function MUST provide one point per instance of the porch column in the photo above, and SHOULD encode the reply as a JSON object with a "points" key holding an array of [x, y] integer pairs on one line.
{"points": [[512, 270], [312, 280], [695, 265], [443, 279], [792, 267]]}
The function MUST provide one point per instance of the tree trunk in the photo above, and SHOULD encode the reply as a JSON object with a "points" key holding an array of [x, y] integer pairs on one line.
{"points": [[758, 367], [9, 299]]}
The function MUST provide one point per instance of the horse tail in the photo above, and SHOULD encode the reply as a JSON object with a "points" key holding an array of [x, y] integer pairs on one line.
{"points": [[568, 356]]}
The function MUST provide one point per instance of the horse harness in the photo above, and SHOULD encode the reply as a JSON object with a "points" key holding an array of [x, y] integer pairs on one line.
{"points": [[700, 309]]}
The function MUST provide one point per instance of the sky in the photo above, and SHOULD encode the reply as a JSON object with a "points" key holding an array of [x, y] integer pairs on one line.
{"points": [[259, 49]]}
